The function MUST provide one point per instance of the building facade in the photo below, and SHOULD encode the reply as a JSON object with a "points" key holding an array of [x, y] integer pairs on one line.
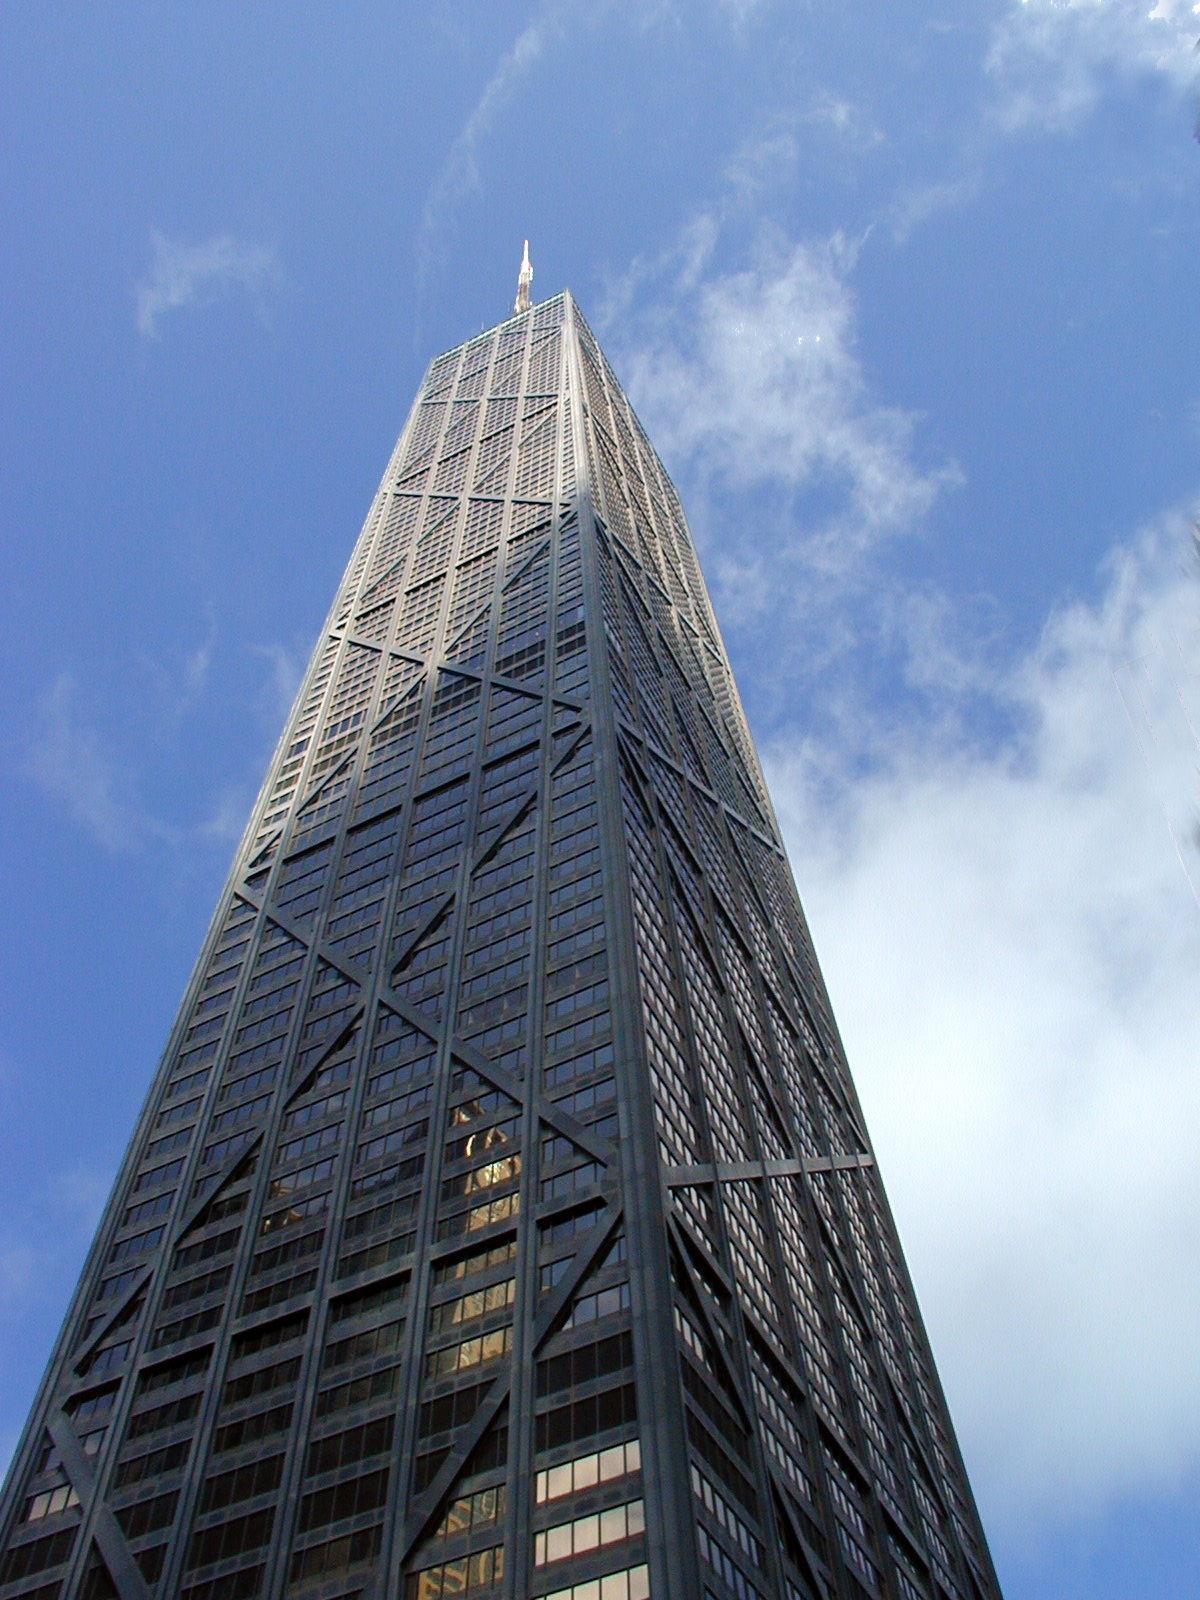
{"points": [[501, 1220]]}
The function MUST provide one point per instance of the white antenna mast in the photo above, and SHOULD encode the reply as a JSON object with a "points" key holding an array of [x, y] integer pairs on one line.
{"points": [[523, 282]]}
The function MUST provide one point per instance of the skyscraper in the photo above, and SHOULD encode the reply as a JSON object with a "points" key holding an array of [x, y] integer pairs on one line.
{"points": [[501, 1220]]}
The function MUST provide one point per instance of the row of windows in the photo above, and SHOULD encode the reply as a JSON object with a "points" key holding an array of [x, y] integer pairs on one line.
{"points": [[586, 1064], [157, 1463], [730, 1573], [583, 1175], [391, 1174], [724, 1515], [465, 1578], [488, 1259], [241, 1483], [387, 1217], [675, 1112], [189, 1076], [336, 1555], [472, 1512], [592, 1531], [588, 1471], [372, 1387], [495, 1170], [387, 1144], [418, 1066], [631, 1583], [584, 1103], [473, 1352], [358, 1443], [723, 1443], [490, 1214], [312, 1109], [230, 1538], [50, 1502], [36, 1555], [596, 1307], [349, 1498], [584, 1364], [278, 1292], [379, 1113], [472, 1305], [246, 1071], [489, 942], [611, 1409], [454, 1409], [255, 1428], [367, 1344]]}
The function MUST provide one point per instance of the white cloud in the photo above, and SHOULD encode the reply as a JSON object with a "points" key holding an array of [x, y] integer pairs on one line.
{"points": [[459, 172], [226, 818], [285, 668], [18, 1271], [919, 203], [843, 117], [70, 764], [74, 764], [183, 275], [738, 11], [80, 1196], [753, 377], [458, 176], [1052, 59], [1012, 946], [172, 688]]}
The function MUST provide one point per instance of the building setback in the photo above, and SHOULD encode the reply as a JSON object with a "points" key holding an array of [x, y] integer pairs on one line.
{"points": [[502, 1220]]}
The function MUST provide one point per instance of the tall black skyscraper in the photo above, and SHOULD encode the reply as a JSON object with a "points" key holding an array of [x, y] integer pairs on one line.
{"points": [[501, 1220]]}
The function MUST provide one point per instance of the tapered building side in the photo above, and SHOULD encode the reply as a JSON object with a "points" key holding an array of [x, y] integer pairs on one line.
{"points": [[502, 1220]]}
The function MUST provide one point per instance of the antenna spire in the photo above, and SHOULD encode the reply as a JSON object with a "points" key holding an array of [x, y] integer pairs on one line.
{"points": [[523, 282]]}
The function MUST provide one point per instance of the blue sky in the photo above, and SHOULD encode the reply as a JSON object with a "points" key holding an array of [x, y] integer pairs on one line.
{"points": [[908, 300]]}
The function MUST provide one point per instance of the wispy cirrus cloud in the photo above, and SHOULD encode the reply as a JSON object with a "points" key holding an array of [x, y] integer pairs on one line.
{"points": [[285, 668], [71, 764], [458, 175], [918, 203], [75, 762], [1051, 60], [182, 275]]}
